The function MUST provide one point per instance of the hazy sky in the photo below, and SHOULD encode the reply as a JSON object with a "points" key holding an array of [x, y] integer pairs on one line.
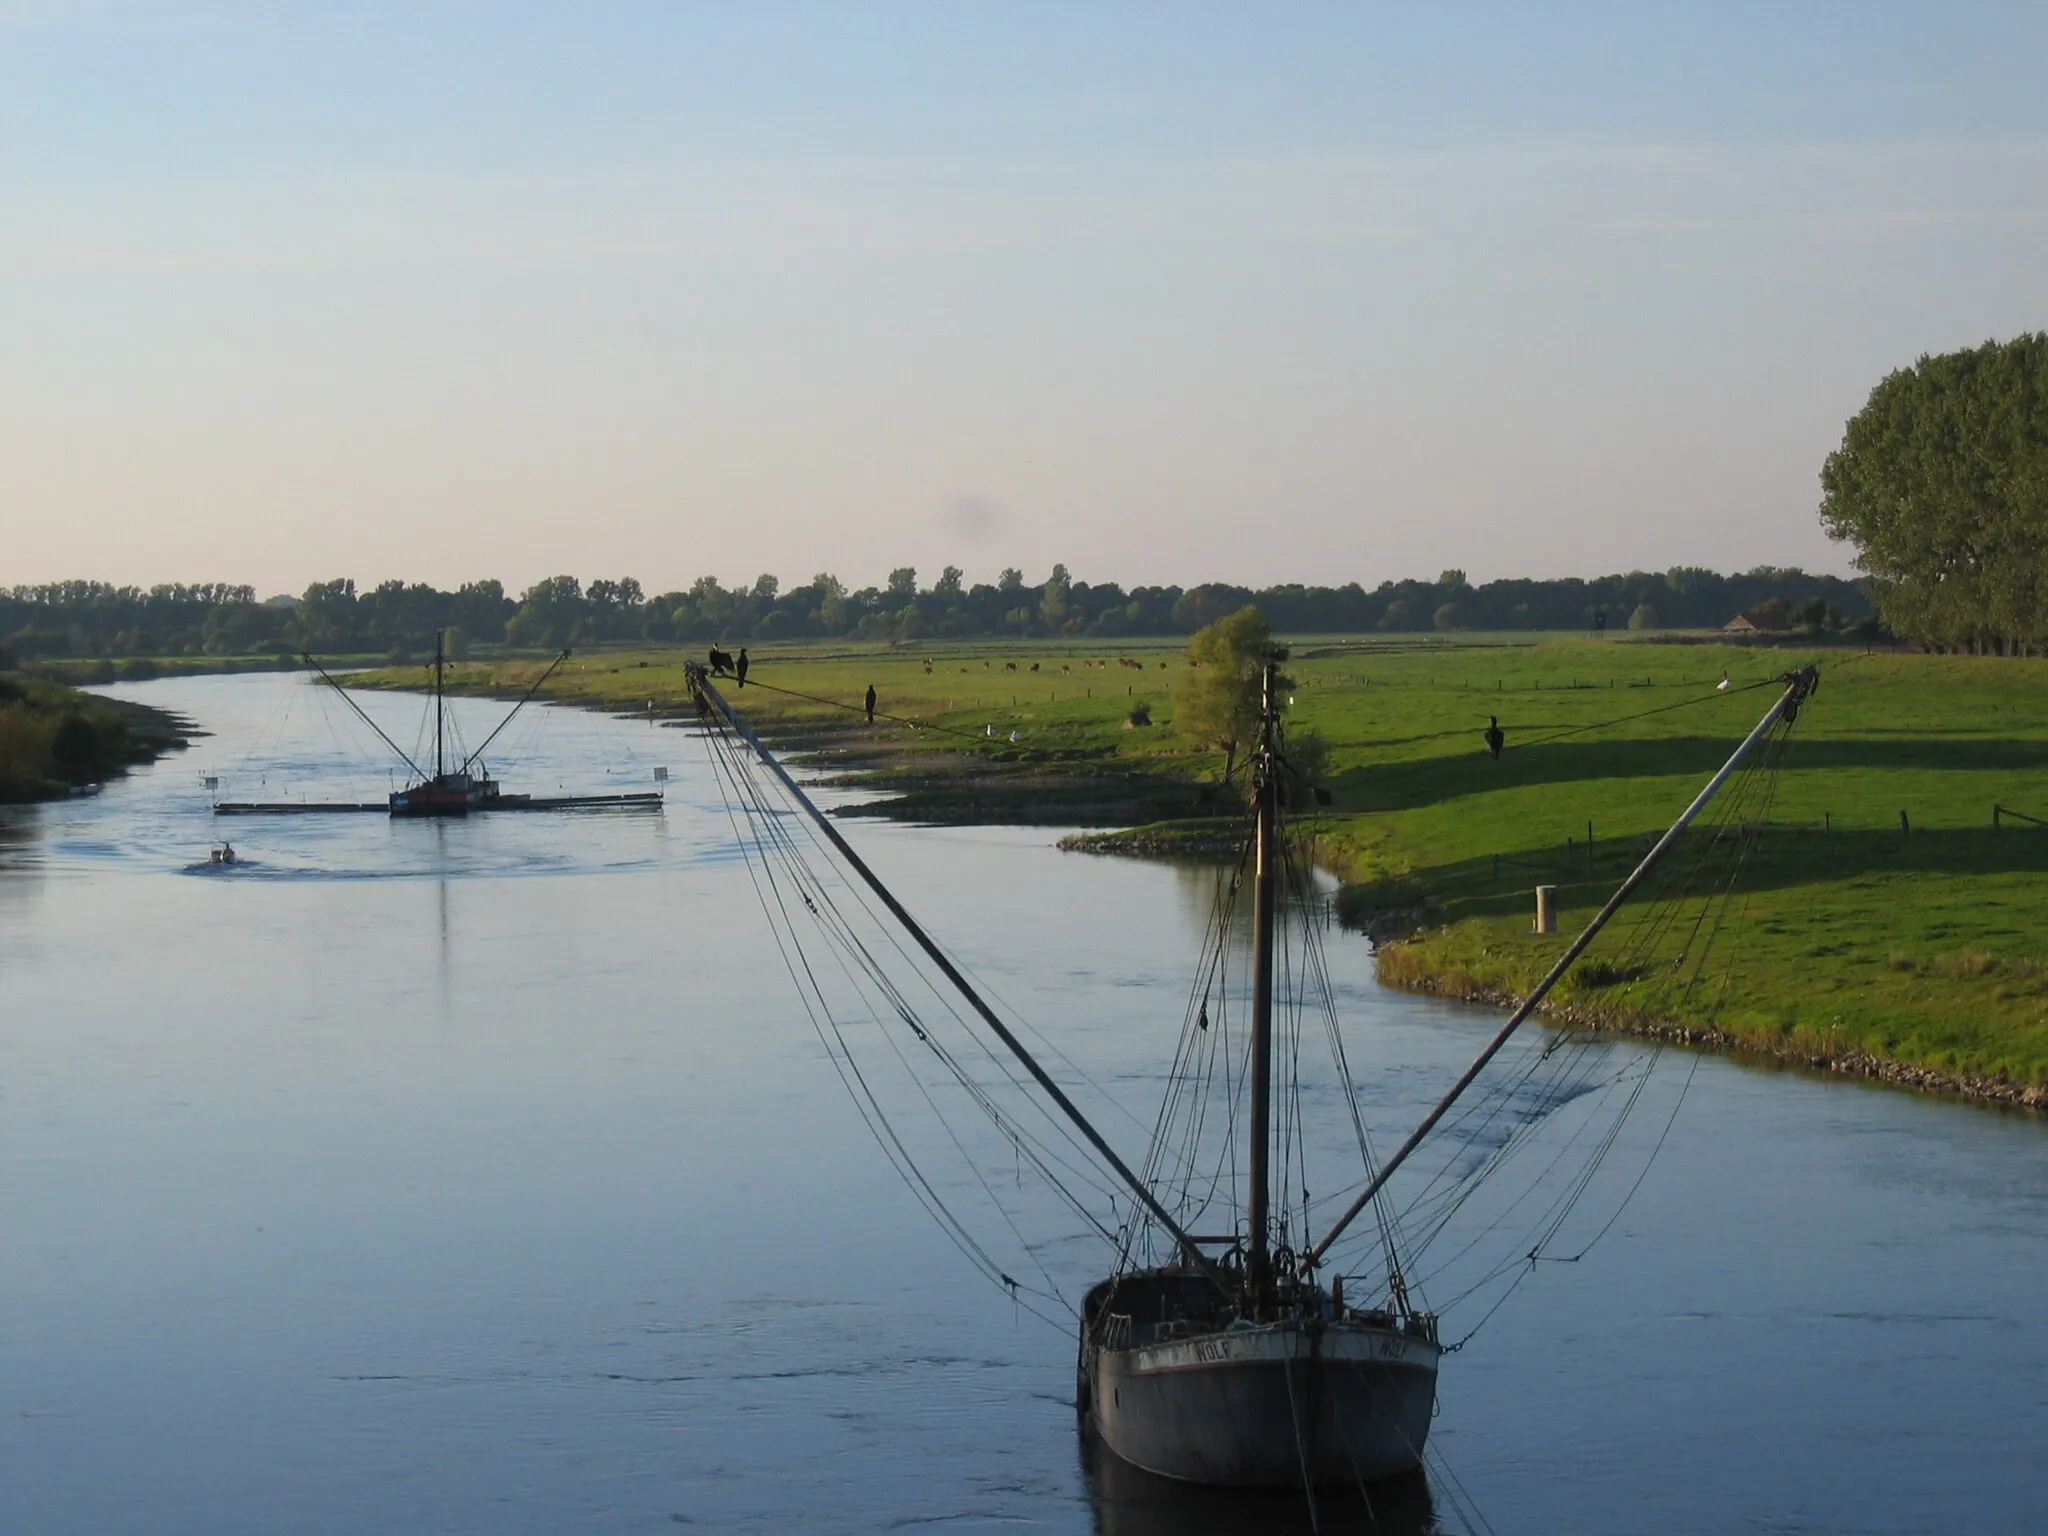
{"points": [[1169, 293]]}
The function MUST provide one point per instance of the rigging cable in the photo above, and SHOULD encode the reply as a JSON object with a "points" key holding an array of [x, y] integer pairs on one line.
{"points": [[1024, 1147], [1757, 793], [865, 1098]]}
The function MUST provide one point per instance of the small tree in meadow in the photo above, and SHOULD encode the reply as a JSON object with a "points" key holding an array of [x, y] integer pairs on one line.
{"points": [[1216, 700]]}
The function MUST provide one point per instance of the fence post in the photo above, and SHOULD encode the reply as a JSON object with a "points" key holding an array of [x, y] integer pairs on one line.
{"points": [[1546, 909]]}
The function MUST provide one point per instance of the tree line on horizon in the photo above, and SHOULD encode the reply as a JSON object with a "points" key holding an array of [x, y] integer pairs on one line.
{"points": [[397, 618], [88, 619]]}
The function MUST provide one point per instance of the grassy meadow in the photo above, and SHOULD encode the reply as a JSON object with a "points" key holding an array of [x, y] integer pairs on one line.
{"points": [[1918, 954]]}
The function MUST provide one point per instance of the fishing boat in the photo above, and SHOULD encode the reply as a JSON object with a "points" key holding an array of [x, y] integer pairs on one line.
{"points": [[456, 786], [1240, 1358], [1252, 1371]]}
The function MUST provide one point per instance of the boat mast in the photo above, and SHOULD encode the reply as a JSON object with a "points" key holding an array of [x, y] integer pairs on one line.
{"points": [[440, 699], [1265, 790]]}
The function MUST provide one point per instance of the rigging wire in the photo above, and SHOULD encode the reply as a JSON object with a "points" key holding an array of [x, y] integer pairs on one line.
{"points": [[1190, 1161], [898, 1004], [772, 834], [1744, 815], [831, 1034]]}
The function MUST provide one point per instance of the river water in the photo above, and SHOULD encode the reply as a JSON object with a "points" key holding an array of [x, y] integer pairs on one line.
{"points": [[487, 1176]]}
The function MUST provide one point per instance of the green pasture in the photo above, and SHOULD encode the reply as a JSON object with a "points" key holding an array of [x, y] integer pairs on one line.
{"points": [[1926, 946], [1852, 933]]}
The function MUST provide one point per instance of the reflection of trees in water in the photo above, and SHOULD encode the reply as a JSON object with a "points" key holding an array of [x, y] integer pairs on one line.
{"points": [[23, 861], [1197, 884], [21, 839], [1128, 1501]]}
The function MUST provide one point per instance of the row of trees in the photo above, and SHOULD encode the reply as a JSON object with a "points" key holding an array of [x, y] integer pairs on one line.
{"points": [[1941, 483], [399, 618]]}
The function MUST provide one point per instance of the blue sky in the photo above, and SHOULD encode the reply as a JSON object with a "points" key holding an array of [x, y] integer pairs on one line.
{"points": [[1165, 293]]}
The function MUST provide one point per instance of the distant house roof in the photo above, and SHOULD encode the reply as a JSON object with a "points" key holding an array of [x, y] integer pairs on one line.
{"points": [[1753, 620]]}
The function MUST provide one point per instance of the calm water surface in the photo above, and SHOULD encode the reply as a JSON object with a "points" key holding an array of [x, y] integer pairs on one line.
{"points": [[487, 1176]]}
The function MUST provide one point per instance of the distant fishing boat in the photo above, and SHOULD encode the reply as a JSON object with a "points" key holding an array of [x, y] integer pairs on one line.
{"points": [[1241, 1361], [456, 786]]}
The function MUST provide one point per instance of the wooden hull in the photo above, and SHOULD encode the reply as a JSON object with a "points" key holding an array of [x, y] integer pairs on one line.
{"points": [[1274, 1405], [446, 794]]}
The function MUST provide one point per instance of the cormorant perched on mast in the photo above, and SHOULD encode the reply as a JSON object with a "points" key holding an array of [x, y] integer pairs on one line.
{"points": [[1496, 738]]}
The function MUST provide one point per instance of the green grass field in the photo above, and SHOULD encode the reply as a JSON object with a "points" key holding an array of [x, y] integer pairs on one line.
{"points": [[1926, 948]]}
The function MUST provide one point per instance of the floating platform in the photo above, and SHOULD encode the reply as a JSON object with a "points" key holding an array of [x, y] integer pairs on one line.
{"points": [[269, 807], [642, 800], [465, 789]]}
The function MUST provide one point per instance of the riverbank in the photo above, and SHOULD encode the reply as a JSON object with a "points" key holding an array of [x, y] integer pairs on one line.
{"points": [[56, 741], [975, 734], [1413, 966], [92, 671], [1911, 951]]}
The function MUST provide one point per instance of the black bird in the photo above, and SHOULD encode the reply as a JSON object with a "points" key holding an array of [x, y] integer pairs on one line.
{"points": [[871, 703], [721, 663], [740, 666], [1496, 738]]}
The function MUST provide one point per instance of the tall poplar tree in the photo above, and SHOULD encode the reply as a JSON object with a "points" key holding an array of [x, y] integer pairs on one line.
{"points": [[1941, 483]]}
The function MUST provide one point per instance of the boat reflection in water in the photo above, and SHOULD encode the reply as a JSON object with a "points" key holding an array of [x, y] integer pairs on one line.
{"points": [[1129, 1501]]}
